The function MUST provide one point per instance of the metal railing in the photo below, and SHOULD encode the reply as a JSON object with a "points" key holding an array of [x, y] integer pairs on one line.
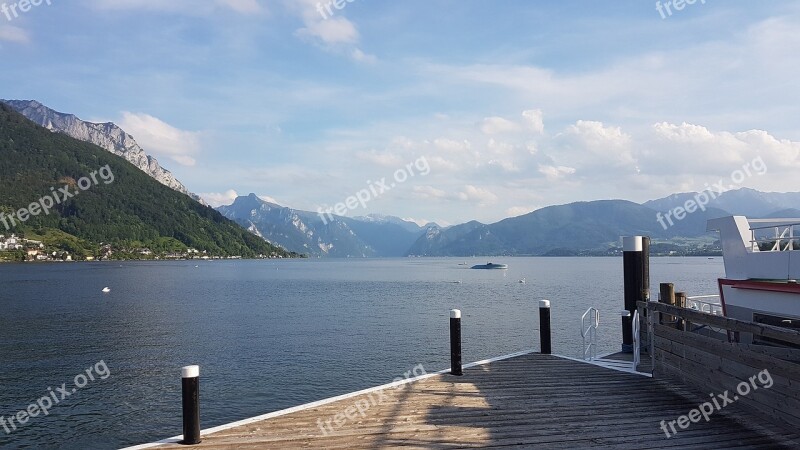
{"points": [[589, 323], [704, 304], [784, 236]]}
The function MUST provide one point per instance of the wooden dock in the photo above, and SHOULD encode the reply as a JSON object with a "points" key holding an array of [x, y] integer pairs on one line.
{"points": [[529, 401]]}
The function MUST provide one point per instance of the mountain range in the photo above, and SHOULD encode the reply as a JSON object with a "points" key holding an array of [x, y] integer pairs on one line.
{"points": [[556, 230], [105, 135], [307, 233], [125, 210], [577, 228]]}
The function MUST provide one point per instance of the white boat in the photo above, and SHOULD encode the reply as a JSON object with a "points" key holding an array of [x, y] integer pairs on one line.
{"points": [[490, 266], [761, 270]]}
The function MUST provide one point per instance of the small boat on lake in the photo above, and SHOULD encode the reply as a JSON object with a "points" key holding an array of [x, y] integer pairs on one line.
{"points": [[490, 266]]}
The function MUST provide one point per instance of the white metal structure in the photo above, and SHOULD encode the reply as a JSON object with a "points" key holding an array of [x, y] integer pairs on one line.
{"points": [[759, 285], [637, 351], [705, 303], [744, 260], [589, 323]]}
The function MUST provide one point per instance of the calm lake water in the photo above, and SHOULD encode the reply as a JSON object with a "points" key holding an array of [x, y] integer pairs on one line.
{"points": [[272, 334]]}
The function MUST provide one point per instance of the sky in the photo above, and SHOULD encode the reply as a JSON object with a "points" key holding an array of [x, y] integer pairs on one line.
{"points": [[441, 110]]}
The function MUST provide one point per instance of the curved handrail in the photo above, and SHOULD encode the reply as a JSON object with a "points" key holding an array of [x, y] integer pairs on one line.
{"points": [[589, 332]]}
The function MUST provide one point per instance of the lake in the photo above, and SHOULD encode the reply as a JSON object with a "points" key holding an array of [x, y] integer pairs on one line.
{"points": [[272, 334]]}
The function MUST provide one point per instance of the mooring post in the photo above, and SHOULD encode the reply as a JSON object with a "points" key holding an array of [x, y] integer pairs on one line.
{"points": [[455, 342], [680, 302], [545, 334], [667, 296], [190, 380], [636, 268]]}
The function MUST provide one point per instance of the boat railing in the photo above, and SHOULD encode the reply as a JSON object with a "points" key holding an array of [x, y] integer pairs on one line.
{"points": [[705, 303], [589, 323], [782, 238]]}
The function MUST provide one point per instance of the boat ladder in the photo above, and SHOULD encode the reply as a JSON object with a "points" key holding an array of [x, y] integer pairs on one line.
{"points": [[589, 323]]}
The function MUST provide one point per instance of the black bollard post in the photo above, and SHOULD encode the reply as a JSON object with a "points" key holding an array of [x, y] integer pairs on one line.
{"points": [[636, 267], [190, 380], [545, 335], [455, 342]]}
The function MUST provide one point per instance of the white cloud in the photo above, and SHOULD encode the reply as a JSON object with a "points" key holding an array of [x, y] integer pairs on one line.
{"points": [[534, 120], [215, 199], [590, 143], [442, 165], [161, 139], [243, 6], [496, 147], [429, 193], [13, 34], [384, 159], [516, 211], [359, 56], [452, 146], [507, 166], [691, 149], [269, 199], [498, 125], [475, 194], [184, 7], [420, 222], [554, 173], [334, 33]]}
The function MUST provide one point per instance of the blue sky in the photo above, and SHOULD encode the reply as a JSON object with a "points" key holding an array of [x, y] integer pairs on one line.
{"points": [[514, 105]]}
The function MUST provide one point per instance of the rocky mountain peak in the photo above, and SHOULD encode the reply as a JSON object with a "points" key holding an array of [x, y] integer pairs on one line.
{"points": [[105, 135]]}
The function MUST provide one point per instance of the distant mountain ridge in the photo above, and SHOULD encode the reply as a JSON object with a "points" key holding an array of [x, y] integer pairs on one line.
{"points": [[105, 135], [743, 202], [555, 230], [306, 232]]}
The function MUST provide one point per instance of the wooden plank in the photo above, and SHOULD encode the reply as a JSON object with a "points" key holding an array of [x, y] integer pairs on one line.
{"points": [[732, 351], [788, 381], [780, 395], [786, 354], [671, 367], [530, 401], [695, 369], [759, 329]]}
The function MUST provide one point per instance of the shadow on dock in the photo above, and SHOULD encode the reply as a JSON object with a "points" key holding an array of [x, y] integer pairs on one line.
{"points": [[530, 401]]}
